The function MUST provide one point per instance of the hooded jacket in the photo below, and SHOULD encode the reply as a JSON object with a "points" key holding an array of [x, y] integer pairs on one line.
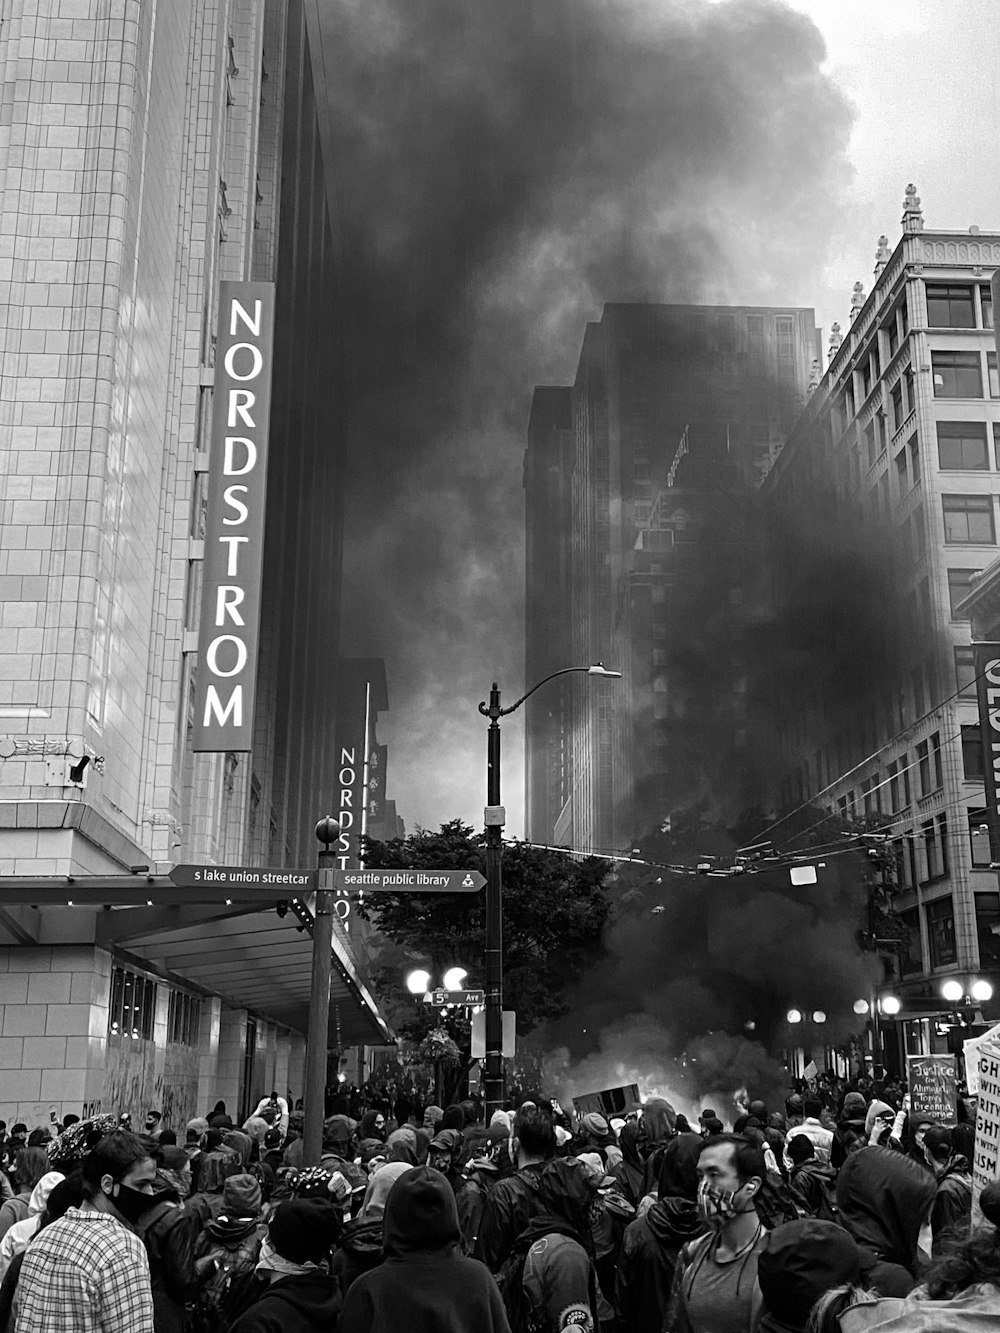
{"points": [[306, 1302], [629, 1171], [359, 1250], [813, 1187], [17, 1237], [653, 1242], [976, 1310], [952, 1209], [424, 1284], [798, 1262], [882, 1200]]}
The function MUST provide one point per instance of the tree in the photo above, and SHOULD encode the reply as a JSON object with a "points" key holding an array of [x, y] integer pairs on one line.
{"points": [[554, 907]]}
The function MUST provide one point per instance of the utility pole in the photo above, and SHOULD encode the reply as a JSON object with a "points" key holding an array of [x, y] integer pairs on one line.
{"points": [[318, 1039]]}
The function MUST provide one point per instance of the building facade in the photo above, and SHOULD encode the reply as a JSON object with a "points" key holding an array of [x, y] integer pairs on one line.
{"points": [[674, 409], [906, 421], [147, 154]]}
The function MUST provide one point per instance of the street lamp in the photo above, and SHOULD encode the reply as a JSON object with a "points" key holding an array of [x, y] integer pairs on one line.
{"points": [[494, 820]]}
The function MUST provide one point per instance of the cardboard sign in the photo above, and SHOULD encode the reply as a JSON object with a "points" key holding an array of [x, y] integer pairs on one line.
{"points": [[986, 1162], [932, 1081], [609, 1102]]}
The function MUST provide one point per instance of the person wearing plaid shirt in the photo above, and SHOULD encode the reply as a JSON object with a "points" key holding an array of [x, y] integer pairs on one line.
{"points": [[88, 1272]]}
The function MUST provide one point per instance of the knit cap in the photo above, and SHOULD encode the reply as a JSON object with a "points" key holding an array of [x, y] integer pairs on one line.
{"points": [[304, 1230]]}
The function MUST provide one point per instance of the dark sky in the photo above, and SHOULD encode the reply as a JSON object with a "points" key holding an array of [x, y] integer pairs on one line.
{"points": [[501, 172]]}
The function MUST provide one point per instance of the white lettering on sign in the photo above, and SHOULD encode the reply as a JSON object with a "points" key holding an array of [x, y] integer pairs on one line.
{"points": [[234, 528], [987, 668]]}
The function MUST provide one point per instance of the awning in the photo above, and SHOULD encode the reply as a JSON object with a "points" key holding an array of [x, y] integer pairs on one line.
{"points": [[241, 950]]}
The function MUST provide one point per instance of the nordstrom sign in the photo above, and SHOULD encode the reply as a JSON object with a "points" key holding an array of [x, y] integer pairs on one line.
{"points": [[234, 530]]}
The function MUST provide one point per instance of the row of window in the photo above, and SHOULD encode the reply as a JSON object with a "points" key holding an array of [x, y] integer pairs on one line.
{"points": [[940, 919], [133, 1010], [892, 794]]}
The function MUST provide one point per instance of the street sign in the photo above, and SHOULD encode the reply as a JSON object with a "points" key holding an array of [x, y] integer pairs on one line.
{"points": [[441, 997], [243, 877], [408, 881]]}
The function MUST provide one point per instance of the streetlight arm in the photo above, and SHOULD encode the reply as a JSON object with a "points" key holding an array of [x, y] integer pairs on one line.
{"points": [[493, 710]]}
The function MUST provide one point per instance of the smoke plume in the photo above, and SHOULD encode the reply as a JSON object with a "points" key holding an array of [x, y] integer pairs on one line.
{"points": [[502, 171]]}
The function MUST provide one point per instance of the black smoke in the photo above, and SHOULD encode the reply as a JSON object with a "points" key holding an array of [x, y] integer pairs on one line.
{"points": [[501, 171]]}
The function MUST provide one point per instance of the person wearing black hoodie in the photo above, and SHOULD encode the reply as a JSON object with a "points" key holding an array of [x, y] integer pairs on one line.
{"points": [[629, 1172], [812, 1186], [424, 1284], [882, 1200], [653, 1242], [296, 1289]]}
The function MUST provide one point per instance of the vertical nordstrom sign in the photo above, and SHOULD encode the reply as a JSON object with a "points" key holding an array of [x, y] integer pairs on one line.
{"points": [[234, 530]]}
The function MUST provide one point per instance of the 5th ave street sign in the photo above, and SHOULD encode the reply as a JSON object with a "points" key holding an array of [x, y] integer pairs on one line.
{"points": [[439, 998], [408, 881]]}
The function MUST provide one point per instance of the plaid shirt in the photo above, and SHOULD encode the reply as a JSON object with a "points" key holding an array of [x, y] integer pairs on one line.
{"points": [[86, 1273]]}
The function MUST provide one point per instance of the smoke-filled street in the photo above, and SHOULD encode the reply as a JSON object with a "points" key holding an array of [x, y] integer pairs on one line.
{"points": [[499, 666]]}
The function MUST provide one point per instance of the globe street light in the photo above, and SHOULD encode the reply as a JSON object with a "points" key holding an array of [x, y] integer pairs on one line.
{"points": [[952, 991], [493, 1077], [418, 982]]}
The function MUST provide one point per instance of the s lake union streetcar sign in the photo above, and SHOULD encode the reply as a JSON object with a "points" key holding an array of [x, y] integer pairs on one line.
{"points": [[234, 527]]}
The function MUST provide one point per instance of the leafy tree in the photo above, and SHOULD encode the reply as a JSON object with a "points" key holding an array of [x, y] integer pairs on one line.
{"points": [[554, 912]]}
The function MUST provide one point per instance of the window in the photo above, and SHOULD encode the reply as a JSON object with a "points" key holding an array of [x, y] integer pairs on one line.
{"points": [[935, 850], [986, 297], [950, 307], [914, 448], [902, 484], [941, 932], [965, 673], [911, 958], [870, 792], [968, 520], [892, 333], [872, 442], [959, 582], [929, 764], [962, 446], [972, 753], [896, 397], [991, 369], [183, 1018], [133, 1005], [899, 784], [996, 444], [957, 374], [988, 928], [979, 838]]}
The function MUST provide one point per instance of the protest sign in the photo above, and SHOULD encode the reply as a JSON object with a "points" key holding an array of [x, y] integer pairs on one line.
{"points": [[931, 1080]]}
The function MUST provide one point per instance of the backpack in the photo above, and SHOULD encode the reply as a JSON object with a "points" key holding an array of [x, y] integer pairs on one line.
{"points": [[223, 1297], [510, 1280]]}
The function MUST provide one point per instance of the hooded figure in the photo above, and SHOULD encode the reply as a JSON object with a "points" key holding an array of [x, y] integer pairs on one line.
{"points": [[402, 1145], [445, 1155], [653, 1242], [379, 1185], [17, 1237], [797, 1264], [629, 1172], [424, 1284], [656, 1129], [296, 1290], [882, 1200]]}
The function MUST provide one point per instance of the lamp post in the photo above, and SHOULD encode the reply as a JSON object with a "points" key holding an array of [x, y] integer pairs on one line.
{"points": [[318, 1038], [493, 1089]]}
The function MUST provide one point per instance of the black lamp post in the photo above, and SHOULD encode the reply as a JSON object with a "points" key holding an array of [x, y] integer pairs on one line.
{"points": [[493, 1080]]}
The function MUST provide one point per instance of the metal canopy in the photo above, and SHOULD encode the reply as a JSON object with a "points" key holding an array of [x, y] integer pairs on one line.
{"points": [[236, 947]]}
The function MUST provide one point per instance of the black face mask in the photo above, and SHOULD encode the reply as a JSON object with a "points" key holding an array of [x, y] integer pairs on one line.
{"points": [[131, 1203]]}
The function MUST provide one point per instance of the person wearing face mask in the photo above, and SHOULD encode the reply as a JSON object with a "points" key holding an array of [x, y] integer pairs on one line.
{"points": [[951, 1210], [295, 1288], [89, 1271], [715, 1282]]}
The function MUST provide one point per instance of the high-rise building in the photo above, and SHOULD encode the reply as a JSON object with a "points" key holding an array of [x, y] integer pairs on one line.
{"points": [[906, 421], [672, 407], [148, 155]]}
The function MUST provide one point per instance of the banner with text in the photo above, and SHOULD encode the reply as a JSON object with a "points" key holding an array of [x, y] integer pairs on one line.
{"points": [[234, 526], [986, 1161], [987, 668]]}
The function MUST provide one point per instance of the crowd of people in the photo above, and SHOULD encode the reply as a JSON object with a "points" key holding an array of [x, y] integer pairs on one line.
{"points": [[838, 1211]]}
